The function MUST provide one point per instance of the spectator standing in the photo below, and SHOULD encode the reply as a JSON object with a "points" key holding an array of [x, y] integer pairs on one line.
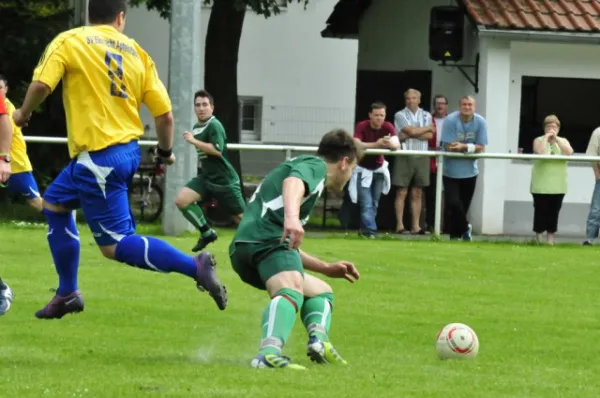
{"points": [[549, 179], [440, 111], [370, 175], [593, 220], [415, 128], [464, 131]]}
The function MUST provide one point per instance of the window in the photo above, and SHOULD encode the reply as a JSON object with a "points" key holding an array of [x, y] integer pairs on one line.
{"points": [[573, 101], [250, 119]]}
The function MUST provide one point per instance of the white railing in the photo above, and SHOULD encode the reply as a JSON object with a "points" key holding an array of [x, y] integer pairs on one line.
{"points": [[288, 149]]}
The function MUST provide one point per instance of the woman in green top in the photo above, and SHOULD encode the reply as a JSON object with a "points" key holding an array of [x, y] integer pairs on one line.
{"points": [[549, 179]]}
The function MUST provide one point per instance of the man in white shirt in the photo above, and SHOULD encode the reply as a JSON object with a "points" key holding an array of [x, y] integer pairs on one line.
{"points": [[415, 128], [593, 220]]}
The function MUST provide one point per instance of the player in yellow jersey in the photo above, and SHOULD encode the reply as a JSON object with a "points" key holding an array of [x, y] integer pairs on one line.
{"points": [[6, 132], [106, 77], [21, 181]]}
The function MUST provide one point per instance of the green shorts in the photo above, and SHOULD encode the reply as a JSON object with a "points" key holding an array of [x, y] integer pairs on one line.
{"points": [[255, 263], [230, 196]]}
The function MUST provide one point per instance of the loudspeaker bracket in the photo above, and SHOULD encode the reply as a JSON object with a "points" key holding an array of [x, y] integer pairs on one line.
{"points": [[461, 67]]}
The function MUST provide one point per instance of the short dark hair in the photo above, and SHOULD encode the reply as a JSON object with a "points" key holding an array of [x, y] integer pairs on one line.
{"points": [[437, 97], [377, 105], [336, 144], [105, 11], [4, 79], [204, 94]]}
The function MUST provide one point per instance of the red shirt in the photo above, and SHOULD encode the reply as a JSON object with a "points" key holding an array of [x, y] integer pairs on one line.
{"points": [[3, 110], [366, 133], [432, 147]]}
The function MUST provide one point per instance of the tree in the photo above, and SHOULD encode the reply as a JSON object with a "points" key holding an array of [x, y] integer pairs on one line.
{"points": [[26, 28], [221, 55]]}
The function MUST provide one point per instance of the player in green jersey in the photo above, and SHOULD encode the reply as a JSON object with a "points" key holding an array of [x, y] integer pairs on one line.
{"points": [[217, 179], [265, 250]]}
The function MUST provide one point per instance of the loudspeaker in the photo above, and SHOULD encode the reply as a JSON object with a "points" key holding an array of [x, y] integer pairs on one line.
{"points": [[446, 33]]}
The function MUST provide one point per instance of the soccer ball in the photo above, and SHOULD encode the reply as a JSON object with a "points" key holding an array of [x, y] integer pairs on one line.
{"points": [[457, 341]]}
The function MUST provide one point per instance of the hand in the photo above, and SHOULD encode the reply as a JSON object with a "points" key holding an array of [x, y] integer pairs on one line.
{"points": [[432, 128], [20, 119], [456, 147], [383, 143], [170, 160], [189, 137], [4, 171], [343, 269], [292, 228]]}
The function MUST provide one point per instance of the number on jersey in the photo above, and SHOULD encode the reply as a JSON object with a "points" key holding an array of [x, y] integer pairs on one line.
{"points": [[114, 62]]}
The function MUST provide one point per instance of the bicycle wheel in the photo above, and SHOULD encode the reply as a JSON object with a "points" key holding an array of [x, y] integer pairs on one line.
{"points": [[146, 205]]}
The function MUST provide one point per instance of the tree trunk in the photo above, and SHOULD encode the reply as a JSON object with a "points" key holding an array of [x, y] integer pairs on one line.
{"points": [[220, 69]]}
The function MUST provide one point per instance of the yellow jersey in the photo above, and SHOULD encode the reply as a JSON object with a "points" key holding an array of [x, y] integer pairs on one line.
{"points": [[106, 77], [19, 160]]}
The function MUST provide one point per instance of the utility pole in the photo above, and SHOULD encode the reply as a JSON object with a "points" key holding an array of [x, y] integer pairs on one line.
{"points": [[186, 75]]}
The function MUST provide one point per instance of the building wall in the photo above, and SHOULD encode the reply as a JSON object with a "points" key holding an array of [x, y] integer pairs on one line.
{"points": [[547, 60], [304, 84], [395, 36]]}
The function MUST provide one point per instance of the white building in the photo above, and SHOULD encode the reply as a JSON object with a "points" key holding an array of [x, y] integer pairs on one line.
{"points": [[529, 60]]}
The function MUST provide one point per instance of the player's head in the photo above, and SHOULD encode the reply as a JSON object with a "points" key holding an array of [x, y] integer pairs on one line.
{"points": [[204, 105], [3, 85], [341, 153], [108, 12], [377, 114]]}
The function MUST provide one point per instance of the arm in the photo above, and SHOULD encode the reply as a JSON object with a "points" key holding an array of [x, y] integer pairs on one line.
{"points": [[165, 127], [359, 138], [340, 269], [596, 168], [46, 76], [565, 146], [312, 263], [6, 130], [540, 145], [205, 147], [393, 142], [293, 191]]}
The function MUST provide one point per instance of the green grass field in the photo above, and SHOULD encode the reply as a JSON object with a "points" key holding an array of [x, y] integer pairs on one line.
{"points": [[148, 335]]}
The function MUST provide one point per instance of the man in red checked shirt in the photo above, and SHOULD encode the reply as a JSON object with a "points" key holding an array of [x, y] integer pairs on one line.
{"points": [[371, 177], [5, 143]]}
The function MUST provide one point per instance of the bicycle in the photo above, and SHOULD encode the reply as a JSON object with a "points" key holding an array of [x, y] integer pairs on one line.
{"points": [[146, 197]]}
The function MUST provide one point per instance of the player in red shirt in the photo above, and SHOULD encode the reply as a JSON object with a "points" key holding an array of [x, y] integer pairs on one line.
{"points": [[5, 143], [371, 172]]}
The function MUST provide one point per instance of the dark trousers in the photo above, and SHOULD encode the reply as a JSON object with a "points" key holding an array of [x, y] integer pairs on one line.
{"points": [[430, 202], [458, 194], [545, 212]]}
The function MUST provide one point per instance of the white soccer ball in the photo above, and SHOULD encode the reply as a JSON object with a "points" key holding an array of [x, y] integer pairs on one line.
{"points": [[457, 341]]}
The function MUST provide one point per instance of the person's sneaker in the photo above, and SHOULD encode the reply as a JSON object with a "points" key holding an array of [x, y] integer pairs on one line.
{"points": [[205, 240], [207, 279], [274, 361], [467, 236], [587, 242], [6, 298], [323, 352], [60, 306]]}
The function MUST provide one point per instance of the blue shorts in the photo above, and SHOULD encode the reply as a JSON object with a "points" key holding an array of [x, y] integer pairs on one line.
{"points": [[97, 182], [24, 185]]}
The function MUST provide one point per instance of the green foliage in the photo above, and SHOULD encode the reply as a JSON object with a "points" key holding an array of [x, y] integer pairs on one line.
{"points": [[266, 8], [26, 28]]}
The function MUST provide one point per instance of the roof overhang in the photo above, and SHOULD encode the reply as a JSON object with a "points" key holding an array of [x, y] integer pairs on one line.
{"points": [[344, 20], [540, 35]]}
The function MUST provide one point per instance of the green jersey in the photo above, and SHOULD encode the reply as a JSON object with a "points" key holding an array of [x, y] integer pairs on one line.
{"points": [[215, 169], [263, 218]]}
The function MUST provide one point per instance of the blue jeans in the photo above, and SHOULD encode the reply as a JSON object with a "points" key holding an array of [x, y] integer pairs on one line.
{"points": [[593, 220], [368, 201]]}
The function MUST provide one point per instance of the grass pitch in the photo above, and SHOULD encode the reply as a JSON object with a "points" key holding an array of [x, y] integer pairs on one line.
{"points": [[150, 335]]}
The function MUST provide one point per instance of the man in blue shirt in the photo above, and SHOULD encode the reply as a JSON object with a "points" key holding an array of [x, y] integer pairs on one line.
{"points": [[463, 131]]}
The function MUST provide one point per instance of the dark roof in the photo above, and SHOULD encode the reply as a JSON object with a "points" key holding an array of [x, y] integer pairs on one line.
{"points": [[540, 15], [343, 21]]}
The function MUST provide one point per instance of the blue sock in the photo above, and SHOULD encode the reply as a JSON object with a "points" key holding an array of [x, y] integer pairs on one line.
{"points": [[63, 239], [154, 254]]}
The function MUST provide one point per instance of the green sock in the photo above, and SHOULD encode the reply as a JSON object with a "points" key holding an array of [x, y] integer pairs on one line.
{"points": [[278, 320], [193, 213], [316, 315]]}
